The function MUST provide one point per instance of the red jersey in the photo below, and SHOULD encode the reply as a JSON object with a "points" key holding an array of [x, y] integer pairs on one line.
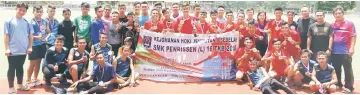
{"points": [[275, 28], [167, 24], [228, 27], [293, 49], [245, 62], [149, 24], [203, 28], [278, 65], [241, 26], [187, 27], [215, 25]]}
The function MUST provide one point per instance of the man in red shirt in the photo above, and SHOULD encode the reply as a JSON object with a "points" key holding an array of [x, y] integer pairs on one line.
{"points": [[279, 61], [291, 41], [242, 56], [216, 26], [197, 9], [167, 22], [250, 31], [154, 24], [202, 27], [241, 24], [184, 24], [229, 24], [274, 26]]}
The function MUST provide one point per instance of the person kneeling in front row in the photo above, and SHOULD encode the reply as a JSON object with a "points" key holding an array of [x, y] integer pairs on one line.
{"points": [[260, 80], [124, 67], [78, 61], [105, 77], [323, 75], [54, 57]]}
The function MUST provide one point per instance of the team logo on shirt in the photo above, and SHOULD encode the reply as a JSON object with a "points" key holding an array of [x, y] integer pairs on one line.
{"points": [[83, 24], [277, 28], [147, 41], [77, 54]]}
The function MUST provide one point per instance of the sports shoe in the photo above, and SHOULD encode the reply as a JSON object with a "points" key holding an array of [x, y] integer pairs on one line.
{"points": [[23, 87], [12, 91], [57, 90], [347, 91], [36, 82], [29, 83]]}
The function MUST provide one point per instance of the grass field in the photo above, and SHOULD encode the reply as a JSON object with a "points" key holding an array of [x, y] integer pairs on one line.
{"points": [[5, 14]]}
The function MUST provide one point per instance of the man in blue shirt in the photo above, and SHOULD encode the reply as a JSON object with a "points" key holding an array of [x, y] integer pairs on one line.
{"points": [[303, 69], [41, 29], [103, 73], [323, 75], [18, 41], [145, 13], [97, 25], [261, 80], [53, 25]]}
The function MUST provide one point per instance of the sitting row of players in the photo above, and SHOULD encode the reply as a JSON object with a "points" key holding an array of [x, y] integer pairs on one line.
{"points": [[277, 68], [107, 72]]}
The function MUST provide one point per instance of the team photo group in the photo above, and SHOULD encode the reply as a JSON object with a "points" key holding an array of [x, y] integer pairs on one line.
{"points": [[272, 53]]}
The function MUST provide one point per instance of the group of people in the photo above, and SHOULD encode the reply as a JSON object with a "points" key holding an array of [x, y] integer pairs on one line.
{"points": [[271, 53]]}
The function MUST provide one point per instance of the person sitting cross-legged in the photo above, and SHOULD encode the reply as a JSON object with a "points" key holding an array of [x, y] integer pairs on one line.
{"points": [[323, 75], [303, 69], [105, 77], [260, 80], [124, 68]]}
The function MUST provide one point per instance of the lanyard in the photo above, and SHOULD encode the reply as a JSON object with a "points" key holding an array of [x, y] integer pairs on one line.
{"points": [[307, 67], [102, 75], [39, 23], [202, 28], [51, 23]]}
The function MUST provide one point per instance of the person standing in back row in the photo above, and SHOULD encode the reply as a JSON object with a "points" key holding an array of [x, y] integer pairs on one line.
{"points": [[67, 29], [18, 41], [145, 16], [113, 34], [39, 46], [320, 35], [97, 25], [83, 23], [303, 25], [221, 18], [343, 49], [53, 25]]}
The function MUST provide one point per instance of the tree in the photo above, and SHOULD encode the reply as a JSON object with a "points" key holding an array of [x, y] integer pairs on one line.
{"points": [[330, 5]]}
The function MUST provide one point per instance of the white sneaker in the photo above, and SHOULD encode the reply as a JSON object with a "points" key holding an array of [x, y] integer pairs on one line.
{"points": [[12, 91], [36, 82], [30, 83], [23, 87]]}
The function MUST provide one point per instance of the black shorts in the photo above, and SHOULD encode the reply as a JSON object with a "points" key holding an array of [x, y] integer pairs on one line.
{"points": [[68, 75], [306, 79], [38, 52]]}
